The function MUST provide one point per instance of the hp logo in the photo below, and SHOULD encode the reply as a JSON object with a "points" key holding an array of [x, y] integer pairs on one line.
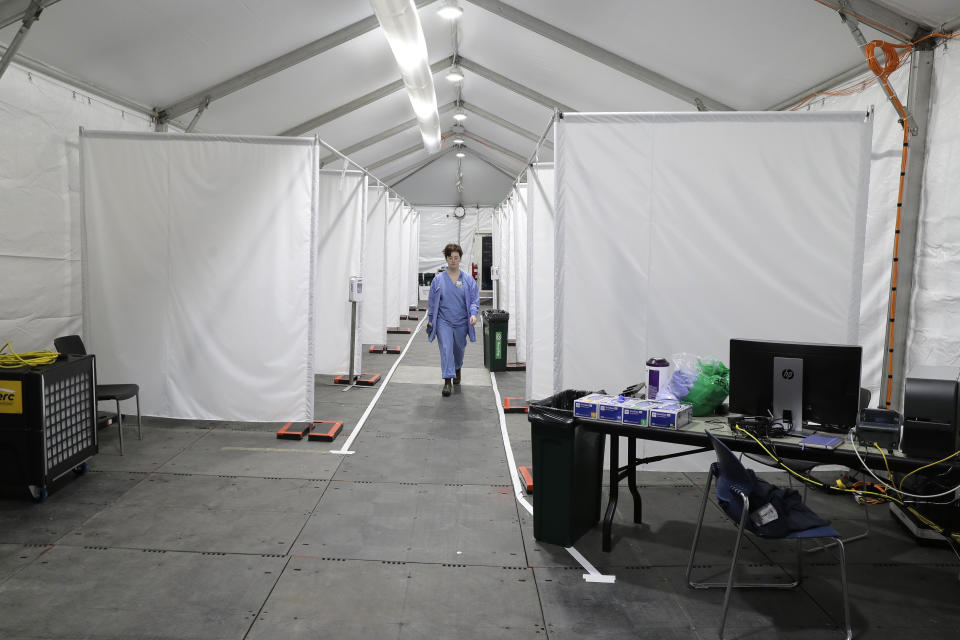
{"points": [[787, 374]]}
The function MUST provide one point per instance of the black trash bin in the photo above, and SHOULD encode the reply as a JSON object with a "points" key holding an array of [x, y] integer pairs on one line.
{"points": [[495, 339], [567, 470]]}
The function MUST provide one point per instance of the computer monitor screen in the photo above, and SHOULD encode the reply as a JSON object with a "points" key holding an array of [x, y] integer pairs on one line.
{"points": [[822, 381]]}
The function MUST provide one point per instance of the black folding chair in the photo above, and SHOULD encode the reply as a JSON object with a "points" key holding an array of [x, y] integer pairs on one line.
{"points": [[734, 487], [73, 345]]}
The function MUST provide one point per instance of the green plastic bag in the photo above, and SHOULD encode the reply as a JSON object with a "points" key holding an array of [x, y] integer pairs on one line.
{"points": [[710, 389]]}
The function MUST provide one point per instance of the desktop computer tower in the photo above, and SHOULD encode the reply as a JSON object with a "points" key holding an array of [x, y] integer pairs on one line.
{"points": [[931, 411]]}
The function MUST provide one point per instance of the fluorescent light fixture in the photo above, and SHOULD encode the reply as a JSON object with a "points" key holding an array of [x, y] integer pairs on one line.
{"points": [[455, 74], [458, 141], [459, 116], [461, 154], [401, 25], [450, 10]]}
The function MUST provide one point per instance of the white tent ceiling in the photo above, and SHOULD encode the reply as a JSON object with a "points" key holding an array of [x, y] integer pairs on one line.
{"points": [[304, 67]]}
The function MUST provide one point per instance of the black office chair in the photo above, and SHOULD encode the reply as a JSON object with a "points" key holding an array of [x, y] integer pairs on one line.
{"points": [[734, 488], [73, 345]]}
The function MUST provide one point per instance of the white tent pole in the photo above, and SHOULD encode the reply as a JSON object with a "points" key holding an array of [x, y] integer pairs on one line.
{"points": [[29, 17]]}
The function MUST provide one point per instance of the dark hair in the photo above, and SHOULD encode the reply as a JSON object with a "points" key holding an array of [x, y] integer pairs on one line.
{"points": [[450, 248]]}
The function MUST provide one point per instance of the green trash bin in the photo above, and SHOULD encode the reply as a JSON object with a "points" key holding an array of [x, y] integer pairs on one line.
{"points": [[495, 339], [567, 470]]}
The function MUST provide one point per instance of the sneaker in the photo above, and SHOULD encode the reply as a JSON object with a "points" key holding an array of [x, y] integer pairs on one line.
{"points": [[457, 379], [447, 388]]}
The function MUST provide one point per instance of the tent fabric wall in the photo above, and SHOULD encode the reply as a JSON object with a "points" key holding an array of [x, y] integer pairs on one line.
{"points": [[540, 269], [40, 204], [657, 243], [198, 271], [521, 276], [933, 338], [394, 227], [340, 220], [413, 264], [886, 148], [373, 325], [439, 227]]}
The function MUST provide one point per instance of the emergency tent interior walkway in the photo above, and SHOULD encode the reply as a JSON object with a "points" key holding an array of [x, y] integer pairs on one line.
{"points": [[196, 187], [214, 529]]}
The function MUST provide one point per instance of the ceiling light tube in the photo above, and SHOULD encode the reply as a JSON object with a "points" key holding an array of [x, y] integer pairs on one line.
{"points": [[461, 154], [455, 74], [401, 25], [459, 116]]}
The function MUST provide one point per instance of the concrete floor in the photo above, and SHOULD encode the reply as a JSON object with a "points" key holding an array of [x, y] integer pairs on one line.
{"points": [[221, 530]]}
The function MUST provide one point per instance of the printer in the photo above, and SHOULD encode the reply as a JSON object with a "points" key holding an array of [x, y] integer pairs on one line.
{"points": [[931, 410]]}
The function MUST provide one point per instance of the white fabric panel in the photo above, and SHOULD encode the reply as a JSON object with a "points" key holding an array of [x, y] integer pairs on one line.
{"points": [[394, 227], [881, 217], [521, 275], [403, 268], [508, 291], [339, 238], [496, 237], [438, 227], [539, 379], [676, 232], [373, 327], [413, 265], [933, 338], [40, 204], [198, 271]]}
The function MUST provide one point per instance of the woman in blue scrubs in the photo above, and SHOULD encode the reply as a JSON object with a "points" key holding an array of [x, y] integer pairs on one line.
{"points": [[452, 314]]}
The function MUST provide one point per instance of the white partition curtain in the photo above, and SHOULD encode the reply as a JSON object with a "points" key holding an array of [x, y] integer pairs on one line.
{"points": [[198, 271], [373, 325], [692, 249], [413, 264], [340, 223], [496, 237], [520, 275], [539, 378], [439, 227], [394, 228], [401, 272], [508, 293], [40, 204]]}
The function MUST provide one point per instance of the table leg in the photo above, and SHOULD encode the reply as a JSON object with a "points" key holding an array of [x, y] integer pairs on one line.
{"points": [[612, 500], [632, 480]]}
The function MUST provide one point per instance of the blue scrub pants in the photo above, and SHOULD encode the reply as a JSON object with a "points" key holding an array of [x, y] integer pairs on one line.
{"points": [[452, 340]]}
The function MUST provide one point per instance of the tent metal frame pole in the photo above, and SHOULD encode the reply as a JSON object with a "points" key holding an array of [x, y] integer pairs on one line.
{"points": [[267, 69], [417, 168], [12, 11], [355, 104], [918, 101], [481, 157], [486, 115], [512, 85], [601, 55], [30, 16], [383, 135]]}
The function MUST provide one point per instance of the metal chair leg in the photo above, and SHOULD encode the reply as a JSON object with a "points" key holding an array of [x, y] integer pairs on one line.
{"points": [[696, 533], [139, 425], [733, 564], [843, 583], [119, 424]]}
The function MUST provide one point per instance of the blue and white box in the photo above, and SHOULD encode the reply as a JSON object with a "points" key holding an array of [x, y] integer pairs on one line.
{"points": [[587, 406], [636, 412], [670, 416]]}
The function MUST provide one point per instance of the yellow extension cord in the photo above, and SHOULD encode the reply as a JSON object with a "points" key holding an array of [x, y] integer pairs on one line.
{"points": [[14, 360]]}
